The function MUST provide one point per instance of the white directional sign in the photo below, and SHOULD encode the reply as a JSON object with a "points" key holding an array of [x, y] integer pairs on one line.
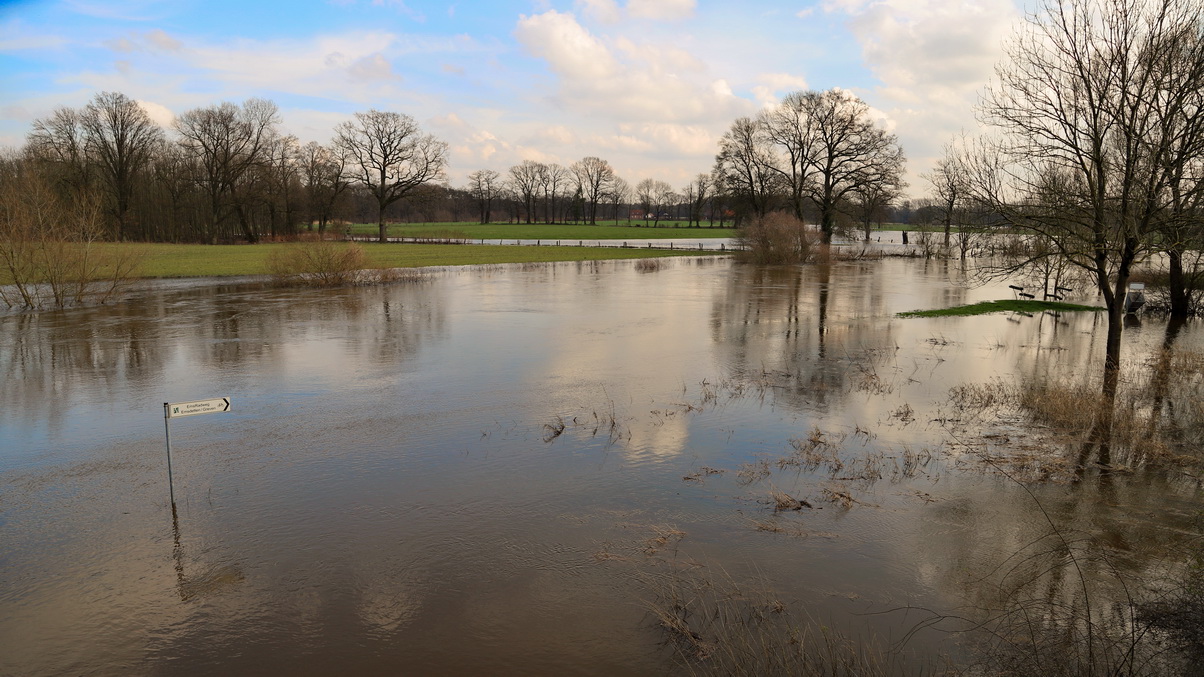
{"points": [[214, 406]]}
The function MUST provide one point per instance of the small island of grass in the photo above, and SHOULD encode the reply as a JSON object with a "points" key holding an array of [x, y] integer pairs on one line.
{"points": [[1001, 306]]}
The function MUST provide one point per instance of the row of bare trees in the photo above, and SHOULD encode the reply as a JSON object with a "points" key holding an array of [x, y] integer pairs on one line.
{"points": [[226, 172], [818, 154], [589, 190]]}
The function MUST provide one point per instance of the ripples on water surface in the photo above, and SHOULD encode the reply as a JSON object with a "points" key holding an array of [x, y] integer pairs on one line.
{"points": [[484, 471]]}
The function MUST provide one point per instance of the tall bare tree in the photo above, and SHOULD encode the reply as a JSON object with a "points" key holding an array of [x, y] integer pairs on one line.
{"points": [[618, 194], [948, 180], [121, 138], [554, 182], [485, 185], [1087, 138], [745, 167], [793, 131], [389, 156], [593, 176], [847, 152], [696, 193], [228, 142], [323, 169], [524, 178], [60, 141], [1177, 61]]}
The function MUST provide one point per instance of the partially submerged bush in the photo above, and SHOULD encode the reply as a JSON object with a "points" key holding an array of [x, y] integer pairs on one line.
{"points": [[51, 252], [777, 238], [319, 263]]}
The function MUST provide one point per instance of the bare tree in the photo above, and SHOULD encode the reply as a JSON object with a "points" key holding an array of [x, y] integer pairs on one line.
{"points": [[619, 193], [524, 178], [121, 138], [227, 142], [61, 142], [485, 185], [948, 181], [323, 168], [389, 156], [662, 197], [283, 184], [745, 166], [593, 176], [645, 195], [1087, 139], [1177, 61], [846, 151], [696, 193], [873, 200], [553, 180], [793, 130]]}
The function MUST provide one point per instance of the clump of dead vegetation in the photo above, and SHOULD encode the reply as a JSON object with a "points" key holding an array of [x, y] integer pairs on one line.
{"points": [[649, 265], [775, 239], [716, 626], [325, 263], [52, 249], [1055, 430]]}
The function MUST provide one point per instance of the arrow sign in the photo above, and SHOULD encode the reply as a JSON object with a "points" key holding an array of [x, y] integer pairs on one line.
{"points": [[215, 406]]}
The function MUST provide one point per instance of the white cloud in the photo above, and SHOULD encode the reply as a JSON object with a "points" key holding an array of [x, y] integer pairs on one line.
{"points": [[17, 35], [158, 113], [773, 85], [372, 67], [932, 58], [661, 9], [602, 11], [554, 135], [649, 83], [162, 40], [568, 48]]}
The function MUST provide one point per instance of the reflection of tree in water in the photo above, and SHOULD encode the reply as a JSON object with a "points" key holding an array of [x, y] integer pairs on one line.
{"points": [[49, 358], [50, 362], [1053, 583], [391, 322], [806, 324]]}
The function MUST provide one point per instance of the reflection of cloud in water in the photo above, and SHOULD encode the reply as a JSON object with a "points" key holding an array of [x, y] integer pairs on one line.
{"points": [[663, 433], [632, 337]]}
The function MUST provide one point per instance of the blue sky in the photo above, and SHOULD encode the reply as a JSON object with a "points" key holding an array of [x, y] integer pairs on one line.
{"points": [[649, 85]]}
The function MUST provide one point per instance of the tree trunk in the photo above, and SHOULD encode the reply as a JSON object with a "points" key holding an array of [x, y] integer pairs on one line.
{"points": [[828, 225], [1177, 284]]}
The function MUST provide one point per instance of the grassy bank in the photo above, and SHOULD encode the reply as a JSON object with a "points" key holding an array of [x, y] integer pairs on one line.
{"points": [[606, 230], [1002, 306], [189, 260]]}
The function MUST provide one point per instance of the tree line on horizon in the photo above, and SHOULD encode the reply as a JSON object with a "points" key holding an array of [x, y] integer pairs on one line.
{"points": [[227, 172]]}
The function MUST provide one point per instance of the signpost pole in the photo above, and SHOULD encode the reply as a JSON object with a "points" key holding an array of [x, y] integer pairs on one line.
{"points": [[171, 488], [194, 408]]}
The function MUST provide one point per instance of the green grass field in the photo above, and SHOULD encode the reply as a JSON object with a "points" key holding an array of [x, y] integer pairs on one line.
{"points": [[1001, 306], [198, 260], [606, 230]]}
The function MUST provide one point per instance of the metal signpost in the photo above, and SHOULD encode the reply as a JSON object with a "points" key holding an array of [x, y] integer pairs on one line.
{"points": [[181, 409]]}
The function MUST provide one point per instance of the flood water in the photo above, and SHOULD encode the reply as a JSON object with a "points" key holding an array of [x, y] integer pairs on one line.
{"points": [[499, 471]]}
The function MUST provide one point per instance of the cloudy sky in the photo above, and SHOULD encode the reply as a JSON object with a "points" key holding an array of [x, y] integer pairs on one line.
{"points": [[649, 85]]}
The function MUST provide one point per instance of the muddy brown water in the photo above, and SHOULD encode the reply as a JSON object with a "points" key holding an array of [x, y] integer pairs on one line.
{"points": [[495, 470]]}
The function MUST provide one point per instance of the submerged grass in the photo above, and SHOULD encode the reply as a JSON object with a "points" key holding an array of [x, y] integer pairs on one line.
{"points": [[605, 230], [1000, 306], [198, 260], [716, 626]]}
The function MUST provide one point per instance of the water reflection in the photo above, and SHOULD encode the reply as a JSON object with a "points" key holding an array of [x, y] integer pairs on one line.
{"points": [[386, 495]]}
